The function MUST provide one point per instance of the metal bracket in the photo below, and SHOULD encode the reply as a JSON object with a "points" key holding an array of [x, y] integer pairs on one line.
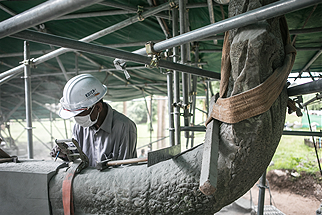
{"points": [[119, 65], [139, 12], [291, 104], [153, 54], [29, 62], [173, 4]]}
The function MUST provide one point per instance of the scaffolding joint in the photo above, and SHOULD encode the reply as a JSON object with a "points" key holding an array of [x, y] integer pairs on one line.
{"points": [[139, 12], [29, 62], [173, 4], [121, 65], [152, 54]]}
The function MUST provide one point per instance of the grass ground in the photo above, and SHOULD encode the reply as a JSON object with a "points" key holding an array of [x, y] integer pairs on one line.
{"points": [[292, 153]]}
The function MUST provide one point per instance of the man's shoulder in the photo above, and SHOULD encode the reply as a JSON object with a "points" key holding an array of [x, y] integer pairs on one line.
{"points": [[121, 118]]}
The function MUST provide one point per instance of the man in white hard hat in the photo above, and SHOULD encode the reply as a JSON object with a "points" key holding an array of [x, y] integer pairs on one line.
{"points": [[102, 132]]}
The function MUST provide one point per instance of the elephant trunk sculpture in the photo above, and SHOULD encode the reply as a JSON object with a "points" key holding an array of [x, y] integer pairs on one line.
{"points": [[245, 148]]}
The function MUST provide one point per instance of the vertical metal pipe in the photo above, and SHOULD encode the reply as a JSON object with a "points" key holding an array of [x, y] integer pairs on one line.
{"points": [[150, 117], [66, 133], [76, 64], [51, 129], [176, 79], [194, 93], [170, 108], [28, 99], [185, 93], [207, 97], [151, 127], [62, 68], [261, 194]]}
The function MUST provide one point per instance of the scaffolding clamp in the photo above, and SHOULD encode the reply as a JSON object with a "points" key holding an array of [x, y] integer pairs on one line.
{"points": [[292, 107], [173, 4], [139, 12], [121, 65], [152, 54], [29, 62]]}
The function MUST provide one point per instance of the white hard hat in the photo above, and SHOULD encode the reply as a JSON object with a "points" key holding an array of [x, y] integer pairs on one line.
{"points": [[80, 92]]}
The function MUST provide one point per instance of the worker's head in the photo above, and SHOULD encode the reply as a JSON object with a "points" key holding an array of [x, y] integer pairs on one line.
{"points": [[81, 95]]}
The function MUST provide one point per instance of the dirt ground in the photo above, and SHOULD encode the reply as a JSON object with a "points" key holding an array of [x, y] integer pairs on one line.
{"points": [[292, 195]]}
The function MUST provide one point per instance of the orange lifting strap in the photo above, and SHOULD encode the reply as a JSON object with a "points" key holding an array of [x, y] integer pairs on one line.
{"points": [[256, 100]]}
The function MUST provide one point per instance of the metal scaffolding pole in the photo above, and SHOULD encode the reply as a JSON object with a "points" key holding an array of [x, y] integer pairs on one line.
{"points": [[266, 12], [62, 68], [170, 108], [11, 73], [184, 59], [105, 51], [311, 87], [161, 23], [28, 99], [176, 79], [306, 67], [40, 14], [194, 94], [261, 194]]}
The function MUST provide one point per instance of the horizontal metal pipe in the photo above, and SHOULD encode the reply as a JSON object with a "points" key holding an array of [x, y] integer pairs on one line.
{"points": [[106, 13], [89, 38], [95, 14], [316, 97], [18, 54], [303, 133], [306, 30], [194, 128], [309, 49], [40, 14], [303, 89], [311, 61], [262, 13], [105, 51], [8, 10]]}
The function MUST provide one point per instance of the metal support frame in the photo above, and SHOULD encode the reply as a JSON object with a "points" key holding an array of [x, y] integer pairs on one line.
{"points": [[261, 194], [40, 14], [184, 59], [28, 99], [150, 118], [105, 51], [170, 108], [103, 68], [303, 133], [266, 12], [211, 14], [194, 95], [306, 67], [161, 22], [62, 68], [303, 89], [176, 88], [76, 64], [12, 72]]}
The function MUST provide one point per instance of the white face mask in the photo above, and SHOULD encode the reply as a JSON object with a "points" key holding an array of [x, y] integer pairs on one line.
{"points": [[85, 121]]}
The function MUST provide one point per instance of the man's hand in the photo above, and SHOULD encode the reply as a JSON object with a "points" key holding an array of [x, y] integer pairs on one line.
{"points": [[57, 151]]}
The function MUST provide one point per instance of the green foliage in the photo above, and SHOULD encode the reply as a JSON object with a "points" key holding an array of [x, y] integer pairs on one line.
{"points": [[292, 153], [136, 110], [316, 105]]}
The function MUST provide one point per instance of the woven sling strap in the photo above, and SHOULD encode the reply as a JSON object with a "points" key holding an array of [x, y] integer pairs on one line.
{"points": [[256, 100], [67, 192]]}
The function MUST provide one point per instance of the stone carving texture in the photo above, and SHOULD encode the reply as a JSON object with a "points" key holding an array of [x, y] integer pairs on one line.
{"points": [[245, 148]]}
